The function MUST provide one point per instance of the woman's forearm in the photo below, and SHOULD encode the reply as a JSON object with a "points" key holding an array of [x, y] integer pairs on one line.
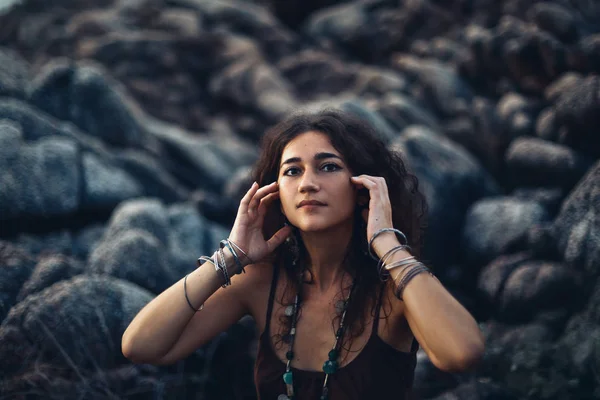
{"points": [[444, 328], [447, 329], [158, 326]]}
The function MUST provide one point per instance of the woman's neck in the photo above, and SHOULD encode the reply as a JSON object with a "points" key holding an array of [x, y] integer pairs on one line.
{"points": [[325, 256]]}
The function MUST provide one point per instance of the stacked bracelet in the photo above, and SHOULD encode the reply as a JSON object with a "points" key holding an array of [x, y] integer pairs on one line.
{"points": [[381, 265], [379, 232], [409, 266], [218, 260], [415, 270]]}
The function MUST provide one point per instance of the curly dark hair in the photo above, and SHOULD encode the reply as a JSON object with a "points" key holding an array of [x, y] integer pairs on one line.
{"points": [[364, 153]]}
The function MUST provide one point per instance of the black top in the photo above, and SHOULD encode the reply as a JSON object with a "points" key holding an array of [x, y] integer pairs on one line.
{"points": [[379, 371]]}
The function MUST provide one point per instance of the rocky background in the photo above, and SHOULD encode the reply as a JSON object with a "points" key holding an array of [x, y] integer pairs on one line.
{"points": [[127, 128]]}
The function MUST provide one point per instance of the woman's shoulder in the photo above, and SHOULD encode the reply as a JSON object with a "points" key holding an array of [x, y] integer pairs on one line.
{"points": [[256, 278], [254, 286]]}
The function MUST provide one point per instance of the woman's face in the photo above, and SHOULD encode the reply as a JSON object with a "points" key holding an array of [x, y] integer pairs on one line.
{"points": [[312, 170]]}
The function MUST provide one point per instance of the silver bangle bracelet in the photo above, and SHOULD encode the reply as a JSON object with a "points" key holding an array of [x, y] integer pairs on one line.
{"points": [[379, 232]]}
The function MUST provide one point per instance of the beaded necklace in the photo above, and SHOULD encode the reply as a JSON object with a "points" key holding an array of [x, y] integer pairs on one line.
{"points": [[331, 365]]}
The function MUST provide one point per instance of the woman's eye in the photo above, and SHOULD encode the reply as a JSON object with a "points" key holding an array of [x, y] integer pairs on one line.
{"points": [[330, 167], [291, 171]]}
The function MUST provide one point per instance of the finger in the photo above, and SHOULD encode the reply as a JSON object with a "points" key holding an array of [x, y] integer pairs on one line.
{"points": [[260, 193], [247, 197], [364, 181], [278, 237], [266, 201]]}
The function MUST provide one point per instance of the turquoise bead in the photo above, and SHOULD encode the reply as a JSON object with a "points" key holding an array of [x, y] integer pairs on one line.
{"points": [[288, 378], [333, 355], [329, 367]]}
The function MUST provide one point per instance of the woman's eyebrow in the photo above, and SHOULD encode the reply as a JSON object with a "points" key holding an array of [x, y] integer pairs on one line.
{"points": [[318, 156]]}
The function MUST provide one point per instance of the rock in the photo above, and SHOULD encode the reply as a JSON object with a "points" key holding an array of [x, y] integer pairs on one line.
{"points": [[555, 19], [136, 256], [255, 86], [493, 226], [539, 163], [144, 380], [402, 111], [545, 127], [221, 209], [75, 324], [43, 244], [577, 113], [48, 271], [450, 179], [144, 214], [443, 87], [106, 185], [478, 390], [293, 13], [190, 237], [14, 74], [86, 239], [519, 288], [38, 179], [92, 101], [590, 47], [153, 177], [373, 82], [576, 226], [314, 72], [246, 18], [551, 198], [343, 24], [521, 356], [576, 352], [35, 124], [358, 109], [16, 267], [204, 162], [518, 114], [429, 380], [565, 82]]}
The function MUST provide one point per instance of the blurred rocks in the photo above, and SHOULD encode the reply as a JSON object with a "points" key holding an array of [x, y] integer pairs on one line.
{"points": [[537, 163], [576, 227], [451, 180], [127, 133], [493, 226]]}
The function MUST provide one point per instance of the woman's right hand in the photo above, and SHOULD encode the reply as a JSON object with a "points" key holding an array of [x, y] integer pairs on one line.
{"points": [[247, 230]]}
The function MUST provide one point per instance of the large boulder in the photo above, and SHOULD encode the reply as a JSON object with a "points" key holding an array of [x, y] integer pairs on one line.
{"points": [[577, 225], [75, 325], [451, 180], [495, 225]]}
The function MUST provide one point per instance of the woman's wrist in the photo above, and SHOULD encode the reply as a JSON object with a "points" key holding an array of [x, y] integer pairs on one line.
{"points": [[384, 243]]}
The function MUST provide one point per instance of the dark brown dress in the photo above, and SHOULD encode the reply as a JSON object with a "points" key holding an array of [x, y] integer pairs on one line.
{"points": [[379, 371]]}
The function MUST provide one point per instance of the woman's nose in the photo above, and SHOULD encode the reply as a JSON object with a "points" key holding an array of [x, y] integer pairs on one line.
{"points": [[308, 182]]}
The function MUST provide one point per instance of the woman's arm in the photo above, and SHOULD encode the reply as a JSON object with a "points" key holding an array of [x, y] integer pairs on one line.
{"points": [[443, 327], [167, 329]]}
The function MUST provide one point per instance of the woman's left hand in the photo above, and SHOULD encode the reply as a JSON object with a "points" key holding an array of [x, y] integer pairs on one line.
{"points": [[379, 213]]}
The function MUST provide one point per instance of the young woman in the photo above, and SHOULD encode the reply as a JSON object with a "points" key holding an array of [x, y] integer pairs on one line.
{"points": [[328, 238]]}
